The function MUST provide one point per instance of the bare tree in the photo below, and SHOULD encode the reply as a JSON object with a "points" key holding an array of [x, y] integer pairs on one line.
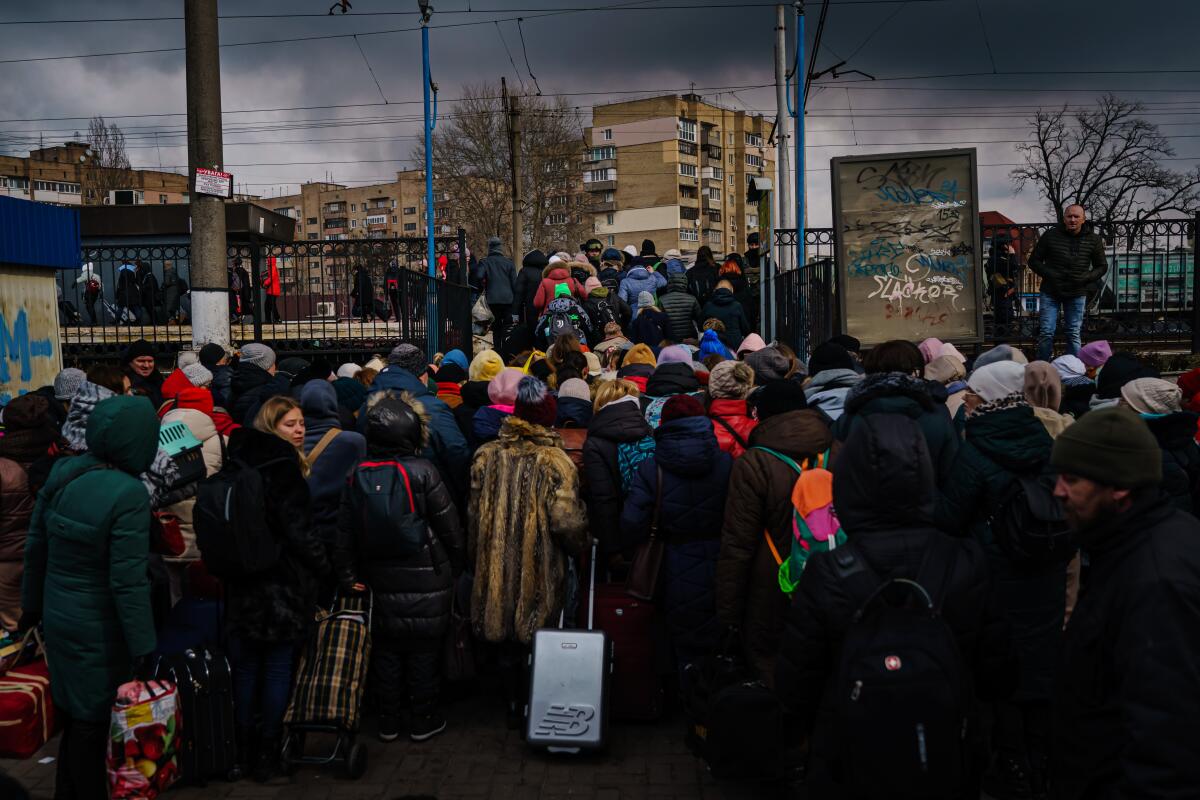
{"points": [[108, 166], [1106, 159], [471, 164]]}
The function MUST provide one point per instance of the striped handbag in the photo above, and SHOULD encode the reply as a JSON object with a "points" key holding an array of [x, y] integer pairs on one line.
{"points": [[332, 672]]}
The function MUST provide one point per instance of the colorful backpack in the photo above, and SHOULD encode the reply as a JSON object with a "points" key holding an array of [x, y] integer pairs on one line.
{"points": [[815, 526], [655, 408], [629, 456]]}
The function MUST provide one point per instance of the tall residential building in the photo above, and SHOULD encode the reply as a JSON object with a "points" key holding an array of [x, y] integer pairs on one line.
{"points": [[64, 175], [674, 170]]}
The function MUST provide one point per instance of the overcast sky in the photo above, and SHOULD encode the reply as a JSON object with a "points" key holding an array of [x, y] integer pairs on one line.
{"points": [[1070, 45]]}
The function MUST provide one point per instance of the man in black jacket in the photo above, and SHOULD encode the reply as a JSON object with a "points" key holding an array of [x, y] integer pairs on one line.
{"points": [[1069, 261], [528, 281], [1124, 719], [499, 287]]}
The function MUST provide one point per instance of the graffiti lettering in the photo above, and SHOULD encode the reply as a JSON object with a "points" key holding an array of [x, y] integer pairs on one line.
{"points": [[15, 345]]}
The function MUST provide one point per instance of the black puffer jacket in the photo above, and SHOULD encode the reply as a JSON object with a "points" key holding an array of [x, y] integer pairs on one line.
{"points": [[611, 426], [529, 278], [278, 606], [1176, 435], [1068, 263], [249, 387], [1126, 691], [682, 310], [884, 491], [725, 307]]}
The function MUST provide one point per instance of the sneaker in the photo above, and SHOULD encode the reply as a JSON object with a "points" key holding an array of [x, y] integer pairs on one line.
{"points": [[389, 729], [426, 726]]}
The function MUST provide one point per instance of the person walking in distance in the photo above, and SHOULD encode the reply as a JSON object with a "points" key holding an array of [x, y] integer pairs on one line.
{"points": [[499, 286], [1069, 258]]}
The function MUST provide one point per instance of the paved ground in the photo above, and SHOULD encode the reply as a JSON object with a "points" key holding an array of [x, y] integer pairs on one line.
{"points": [[476, 758]]}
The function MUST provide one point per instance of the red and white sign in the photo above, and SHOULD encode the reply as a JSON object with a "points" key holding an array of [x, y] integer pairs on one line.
{"points": [[891, 663], [212, 182]]}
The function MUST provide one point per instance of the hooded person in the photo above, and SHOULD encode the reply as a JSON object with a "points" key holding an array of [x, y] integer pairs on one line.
{"points": [[751, 344], [574, 404], [611, 269], [255, 378], [617, 426], [613, 337], [931, 348], [833, 376], [406, 372], [202, 400], [29, 431], [603, 308], [729, 384], [528, 281], [724, 306], [1001, 352], [1158, 402], [498, 278], [581, 269], [638, 366], [86, 567], [885, 491], [769, 364], [681, 308], [703, 276], [554, 275], [650, 324], [949, 372], [411, 592], [502, 397], [1119, 370], [1078, 389], [638, 279], [679, 494], [1189, 384], [137, 360], [331, 452], [1044, 392]]}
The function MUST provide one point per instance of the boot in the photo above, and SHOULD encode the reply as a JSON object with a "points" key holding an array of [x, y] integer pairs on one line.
{"points": [[246, 737], [266, 766]]}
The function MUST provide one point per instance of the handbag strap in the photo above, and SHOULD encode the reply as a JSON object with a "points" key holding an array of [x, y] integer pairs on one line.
{"points": [[658, 492], [774, 549], [329, 436], [733, 432]]}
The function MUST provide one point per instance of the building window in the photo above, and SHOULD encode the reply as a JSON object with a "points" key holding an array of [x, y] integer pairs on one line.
{"points": [[394, 218], [162, 199], [612, 240], [393, 204], [354, 207], [732, 159], [687, 149], [312, 220], [558, 200], [334, 207], [312, 236], [687, 170], [689, 213], [731, 183], [556, 219], [55, 186], [610, 219], [602, 153], [752, 220], [687, 130], [410, 227], [754, 140], [353, 223], [596, 175], [608, 134], [688, 192], [714, 195], [689, 235], [753, 161], [608, 197], [731, 138], [410, 209]]}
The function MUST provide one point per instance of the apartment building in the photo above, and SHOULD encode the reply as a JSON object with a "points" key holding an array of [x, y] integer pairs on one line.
{"points": [[64, 175], [674, 169]]}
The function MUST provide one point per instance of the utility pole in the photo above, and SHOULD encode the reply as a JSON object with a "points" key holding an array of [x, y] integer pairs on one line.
{"points": [[426, 13], [782, 140], [513, 113], [210, 289], [801, 80]]}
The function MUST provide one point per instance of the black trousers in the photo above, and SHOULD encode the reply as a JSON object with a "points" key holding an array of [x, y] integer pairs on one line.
{"points": [[81, 773], [503, 314], [406, 667], [271, 313]]}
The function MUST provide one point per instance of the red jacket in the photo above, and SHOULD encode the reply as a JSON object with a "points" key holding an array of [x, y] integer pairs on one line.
{"points": [[270, 281], [171, 387], [731, 414], [552, 276]]}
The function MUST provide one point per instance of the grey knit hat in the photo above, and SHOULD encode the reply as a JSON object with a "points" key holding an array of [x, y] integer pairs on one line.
{"points": [[67, 382], [769, 364], [409, 358], [258, 354], [645, 299], [1111, 446], [198, 375]]}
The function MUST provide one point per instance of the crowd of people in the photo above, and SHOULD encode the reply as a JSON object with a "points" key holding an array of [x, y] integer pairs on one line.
{"points": [[1077, 663]]}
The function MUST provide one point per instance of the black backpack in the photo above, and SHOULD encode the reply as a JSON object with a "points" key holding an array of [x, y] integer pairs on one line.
{"points": [[236, 539], [1029, 523], [900, 697], [383, 501], [604, 313]]}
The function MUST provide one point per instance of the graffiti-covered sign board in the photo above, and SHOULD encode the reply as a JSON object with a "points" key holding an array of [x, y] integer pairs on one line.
{"points": [[29, 341], [908, 246]]}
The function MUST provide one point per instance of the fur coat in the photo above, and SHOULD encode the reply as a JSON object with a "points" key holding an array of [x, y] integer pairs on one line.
{"points": [[526, 516]]}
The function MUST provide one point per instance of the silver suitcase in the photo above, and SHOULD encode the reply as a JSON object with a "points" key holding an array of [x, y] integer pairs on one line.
{"points": [[568, 685]]}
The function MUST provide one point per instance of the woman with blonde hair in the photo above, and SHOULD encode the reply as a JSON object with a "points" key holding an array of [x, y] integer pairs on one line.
{"points": [[617, 425], [269, 614]]}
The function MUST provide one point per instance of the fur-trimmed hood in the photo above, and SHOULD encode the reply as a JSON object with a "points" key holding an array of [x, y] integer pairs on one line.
{"points": [[889, 384], [562, 269], [391, 429]]}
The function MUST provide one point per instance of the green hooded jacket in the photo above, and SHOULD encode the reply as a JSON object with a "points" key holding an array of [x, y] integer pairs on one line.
{"points": [[85, 559]]}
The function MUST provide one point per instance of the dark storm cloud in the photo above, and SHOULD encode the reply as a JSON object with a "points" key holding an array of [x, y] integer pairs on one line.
{"points": [[587, 52]]}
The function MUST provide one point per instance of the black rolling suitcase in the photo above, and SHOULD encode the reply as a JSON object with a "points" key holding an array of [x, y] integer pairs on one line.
{"points": [[205, 685]]}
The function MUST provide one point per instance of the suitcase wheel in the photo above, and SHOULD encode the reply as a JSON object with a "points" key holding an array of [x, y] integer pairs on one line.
{"points": [[356, 761]]}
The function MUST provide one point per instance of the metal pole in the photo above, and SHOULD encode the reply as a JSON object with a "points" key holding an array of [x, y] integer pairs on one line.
{"points": [[801, 74], [1195, 283], [432, 264], [782, 145], [210, 286], [515, 165]]}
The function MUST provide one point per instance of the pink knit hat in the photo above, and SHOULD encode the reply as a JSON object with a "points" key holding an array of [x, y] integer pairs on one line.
{"points": [[751, 344], [502, 390], [1095, 354], [931, 348], [591, 283]]}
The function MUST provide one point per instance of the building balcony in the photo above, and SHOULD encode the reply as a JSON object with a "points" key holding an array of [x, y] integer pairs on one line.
{"points": [[611, 205], [603, 163], [713, 183], [600, 186]]}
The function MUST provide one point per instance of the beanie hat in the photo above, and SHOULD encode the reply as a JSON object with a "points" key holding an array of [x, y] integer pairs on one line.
{"points": [[485, 365], [1152, 396], [1095, 354], [535, 258], [562, 290], [137, 349], [348, 370], [1069, 367], [67, 382], [851, 344], [186, 357], [409, 358], [593, 364], [1119, 370], [769, 364], [730, 380], [640, 354], [829, 356], [27, 412], [675, 354], [944, 370], [293, 366], [591, 283], [350, 394], [950, 350], [711, 345], [450, 372], [1043, 386], [931, 348], [198, 375], [258, 354], [645, 300], [611, 254], [680, 406], [457, 356], [647, 247], [1000, 352], [779, 397], [534, 402], [996, 381], [753, 238], [1111, 446], [211, 354], [494, 241], [575, 388], [502, 391], [751, 344], [196, 398]]}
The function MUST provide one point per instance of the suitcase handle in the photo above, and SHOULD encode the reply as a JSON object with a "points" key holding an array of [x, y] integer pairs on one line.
{"points": [[592, 587]]}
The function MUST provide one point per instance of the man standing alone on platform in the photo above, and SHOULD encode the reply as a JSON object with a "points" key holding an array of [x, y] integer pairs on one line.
{"points": [[1069, 260]]}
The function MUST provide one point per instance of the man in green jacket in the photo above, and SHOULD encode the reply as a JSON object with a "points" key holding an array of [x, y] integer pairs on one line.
{"points": [[1068, 260], [85, 575]]}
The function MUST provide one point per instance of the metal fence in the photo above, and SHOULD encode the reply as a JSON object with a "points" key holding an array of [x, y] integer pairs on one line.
{"points": [[1149, 298], [340, 298]]}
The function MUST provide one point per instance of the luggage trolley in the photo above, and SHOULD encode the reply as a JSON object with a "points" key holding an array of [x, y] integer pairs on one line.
{"points": [[327, 696]]}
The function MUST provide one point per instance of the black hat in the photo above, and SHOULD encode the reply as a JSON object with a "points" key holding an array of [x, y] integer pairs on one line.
{"points": [[849, 343], [1119, 370], [1112, 446], [779, 397], [753, 238], [648, 248], [592, 244], [137, 349], [535, 258], [450, 373], [829, 356], [211, 354]]}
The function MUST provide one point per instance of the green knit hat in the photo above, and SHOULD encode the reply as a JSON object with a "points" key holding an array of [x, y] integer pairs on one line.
{"points": [[1111, 446]]}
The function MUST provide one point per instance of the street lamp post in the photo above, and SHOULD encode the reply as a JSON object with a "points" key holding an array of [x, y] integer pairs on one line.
{"points": [[427, 81]]}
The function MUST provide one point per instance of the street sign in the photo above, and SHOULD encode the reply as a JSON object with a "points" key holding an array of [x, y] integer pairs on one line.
{"points": [[212, 182]]}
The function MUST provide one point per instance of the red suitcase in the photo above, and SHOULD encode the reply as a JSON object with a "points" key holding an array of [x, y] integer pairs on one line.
{"points": [[637, 687], [26, 710]]}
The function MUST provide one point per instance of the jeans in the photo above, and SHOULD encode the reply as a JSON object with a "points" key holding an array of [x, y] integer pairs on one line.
{"points": [[1073, 308], [81, 773], [262, 680]]}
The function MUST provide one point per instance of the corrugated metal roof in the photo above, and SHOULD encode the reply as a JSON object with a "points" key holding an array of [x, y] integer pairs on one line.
{"points": [[38, 234]]}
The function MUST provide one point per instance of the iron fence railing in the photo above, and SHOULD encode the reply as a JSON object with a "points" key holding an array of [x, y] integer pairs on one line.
{"points": [[338, 297]]}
